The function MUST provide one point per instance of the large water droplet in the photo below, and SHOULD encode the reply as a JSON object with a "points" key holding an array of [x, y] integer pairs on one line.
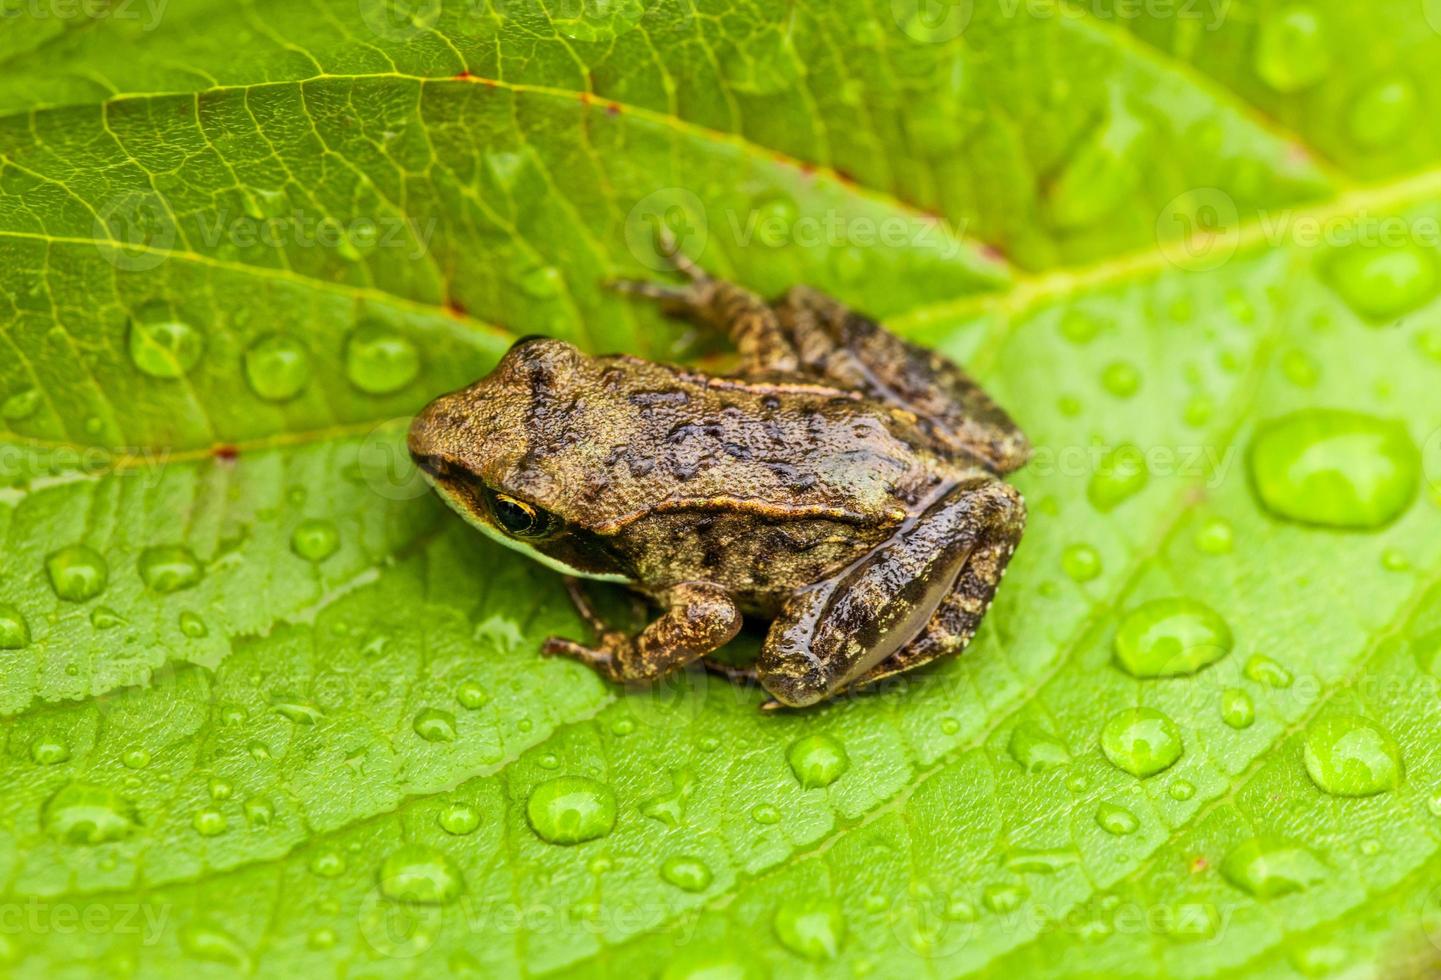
{"points": [[811, 928], [1351, 756], [1036, 749], [817, 760], [1116, 819], [1171, 638], [14, 630], [315, 540], [1141, 741], [687, 873], [1383, 112], [162, 345], [434, 725], [379, 361], [77, 573], [169, 568], [1292, 50], [571, 809], [80, 813], [1269, 866], [277, 367], [1335, 468], [1121, 474], [1381, 282], [420, 875]]}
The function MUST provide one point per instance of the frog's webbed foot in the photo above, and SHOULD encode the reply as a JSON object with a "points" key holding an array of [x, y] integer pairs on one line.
{"points": [[699, 618], [854, 351], [916, 597], [747, 319]]}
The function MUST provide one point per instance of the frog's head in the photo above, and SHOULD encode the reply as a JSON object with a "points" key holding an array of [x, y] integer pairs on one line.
{"points": [[510, 454]]}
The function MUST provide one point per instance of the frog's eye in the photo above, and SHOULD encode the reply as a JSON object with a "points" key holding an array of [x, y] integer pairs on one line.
{"points": [[520, 518]]}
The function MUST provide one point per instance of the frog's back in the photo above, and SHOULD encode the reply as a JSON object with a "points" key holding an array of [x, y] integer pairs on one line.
{"points": [[681, 441]]}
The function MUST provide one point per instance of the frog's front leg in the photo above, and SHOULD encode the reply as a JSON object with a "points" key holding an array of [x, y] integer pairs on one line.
{"points": [[917, 596], [699, 618]]}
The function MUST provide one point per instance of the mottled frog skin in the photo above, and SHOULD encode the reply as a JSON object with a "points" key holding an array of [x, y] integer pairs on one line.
{"points": [[844, 484]]}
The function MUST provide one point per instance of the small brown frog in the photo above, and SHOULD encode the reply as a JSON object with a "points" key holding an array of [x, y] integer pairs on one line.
{"points": [[844, 483]]}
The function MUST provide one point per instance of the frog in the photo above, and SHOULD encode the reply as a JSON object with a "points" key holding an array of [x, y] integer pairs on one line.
{"points": [[842, 483]]}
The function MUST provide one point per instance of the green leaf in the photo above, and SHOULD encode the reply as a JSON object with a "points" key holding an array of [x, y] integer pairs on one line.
{"points": [[269, 707]]}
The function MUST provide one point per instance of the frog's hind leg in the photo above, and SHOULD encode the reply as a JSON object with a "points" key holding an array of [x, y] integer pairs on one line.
{"points": [[747, 319], [855, 351], [917, 596]]}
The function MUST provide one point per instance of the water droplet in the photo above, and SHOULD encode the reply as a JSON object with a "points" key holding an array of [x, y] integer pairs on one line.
{"points": [[1181, 790], [48, 750], [169, 568], [104, 618], [1036, 749], [1335, 468], [80, 813], [259, 812], [162, 345], [1382, 282], [689, 874], [571, 809], [1121, 474], [277, 367], [322, 939], [1351, 756], [295, 709], [420, 875], [1264, 670], [378, 361], [221, 789], [1171, 638], [459, 819], [1003, 898], [1039, 860], [1292, 50], [206, 942], [1300, 368], [209, 822], [14, 630], [1080, 327], [1199, 410], [811, 928], [1081, 562], [471, 695], [1215, 536], [21, 405], [1383, 112], [1078, 782], [622, 726], [136, 758], [77, 573], [1121, 378], [817, 760], [315, 540], [434, 725], [1141, 741], [1395, 561], [328, 864], [1268, 866], [1237, 710], [192, 625], [1116, 819], [764, 813]]}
